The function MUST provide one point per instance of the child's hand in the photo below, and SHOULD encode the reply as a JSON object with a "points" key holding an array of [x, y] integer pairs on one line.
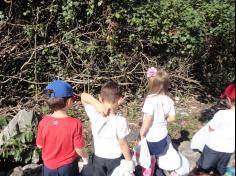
{"points": [[85, 161], [83, 164], [129, 165], [103, 110]]}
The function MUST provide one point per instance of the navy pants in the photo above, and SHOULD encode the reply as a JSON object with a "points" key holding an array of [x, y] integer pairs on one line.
{"points": [[211, 160], [100, 166], [67, 170]]}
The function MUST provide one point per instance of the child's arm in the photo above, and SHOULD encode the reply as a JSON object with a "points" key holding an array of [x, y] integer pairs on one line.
{"points": [[129, 164], [39, 138], [89, 99], [39, 146], [82, 153], [216, 121], [125, 148], [147, 122], [171, 119]]}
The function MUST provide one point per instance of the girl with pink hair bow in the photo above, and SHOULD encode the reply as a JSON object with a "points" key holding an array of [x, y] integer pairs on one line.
{"points": [[158, 110]]}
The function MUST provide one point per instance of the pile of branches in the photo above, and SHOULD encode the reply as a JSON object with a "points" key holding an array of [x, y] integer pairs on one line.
{"points": [[89, 42]]}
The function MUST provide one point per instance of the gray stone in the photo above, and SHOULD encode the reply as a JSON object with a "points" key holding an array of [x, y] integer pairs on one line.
{"points": [[16, 172], [18, 124], [35, 157], [32, 169], [133, 136], [232, 161], [192, 156]]}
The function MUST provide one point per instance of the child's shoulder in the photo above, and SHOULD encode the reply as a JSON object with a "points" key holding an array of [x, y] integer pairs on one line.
{"points": [[121, 118], [161, 98], [224, 113], [74, 120], [121, 121], [45, 118], [69, 119]]}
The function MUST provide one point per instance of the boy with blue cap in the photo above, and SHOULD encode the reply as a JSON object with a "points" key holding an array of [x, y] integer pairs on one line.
{"points": [[59, 136]]}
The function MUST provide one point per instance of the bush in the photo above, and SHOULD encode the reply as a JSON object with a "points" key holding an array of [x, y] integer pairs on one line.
{"points": [[89, 42]]}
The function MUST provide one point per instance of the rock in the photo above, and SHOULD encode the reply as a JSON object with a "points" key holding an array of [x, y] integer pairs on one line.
{"points": [[32, 170], [232, 161], [18, 124], [16, 172], [28, 170], [192, 156], [133, 136], [35, 158]]}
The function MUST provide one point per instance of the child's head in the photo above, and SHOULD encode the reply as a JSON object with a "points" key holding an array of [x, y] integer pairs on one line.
{"points": [[229, 94], [158, 82], [111, 93], [59, 95]]}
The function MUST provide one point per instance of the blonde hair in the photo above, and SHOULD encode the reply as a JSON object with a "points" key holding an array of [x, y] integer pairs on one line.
{"points": [[159, 84]]}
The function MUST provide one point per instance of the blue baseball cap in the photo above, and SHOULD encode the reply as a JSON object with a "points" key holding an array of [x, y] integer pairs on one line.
{"points": [[60, 89]]}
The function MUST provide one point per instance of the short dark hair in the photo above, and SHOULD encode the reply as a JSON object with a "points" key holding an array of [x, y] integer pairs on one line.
{"points": [[111, 92], [55, 103]]}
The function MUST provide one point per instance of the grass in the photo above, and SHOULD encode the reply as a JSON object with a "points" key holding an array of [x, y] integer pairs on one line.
{"points": [[184, 128], [3, 121]]}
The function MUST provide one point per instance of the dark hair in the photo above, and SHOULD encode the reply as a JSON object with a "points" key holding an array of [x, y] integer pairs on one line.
{"points": [[54, 103], [111, 92]]}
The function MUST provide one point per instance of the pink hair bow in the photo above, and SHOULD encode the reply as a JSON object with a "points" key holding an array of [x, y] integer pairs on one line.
{"points": [[152, 72]]}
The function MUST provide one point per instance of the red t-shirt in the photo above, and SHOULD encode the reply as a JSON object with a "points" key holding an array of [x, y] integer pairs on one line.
{"points": [[59, 137]]}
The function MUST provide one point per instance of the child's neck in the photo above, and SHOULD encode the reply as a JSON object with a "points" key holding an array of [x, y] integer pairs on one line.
{"points": [[60, 114], [112, 109]]}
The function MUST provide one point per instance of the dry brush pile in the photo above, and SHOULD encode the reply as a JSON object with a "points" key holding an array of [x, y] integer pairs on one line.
{"points": [[87, 42]]}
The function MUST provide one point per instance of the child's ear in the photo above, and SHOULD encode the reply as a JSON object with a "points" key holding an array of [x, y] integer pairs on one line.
{"points": [[68, 102], [121, 100], [228, 102], [100, 98]]}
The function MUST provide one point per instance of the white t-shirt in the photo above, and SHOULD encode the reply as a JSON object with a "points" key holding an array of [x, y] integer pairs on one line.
{"points": [[106, 132], [222, 139], [159, 107]]}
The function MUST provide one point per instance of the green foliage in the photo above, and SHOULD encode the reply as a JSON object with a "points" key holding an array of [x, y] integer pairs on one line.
{"points": [[3, 121], [21, 147], [88, 42]]}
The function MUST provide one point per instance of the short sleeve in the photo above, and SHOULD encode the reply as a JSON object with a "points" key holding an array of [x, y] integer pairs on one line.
{"points": [[172, 109], [123, 128], [39, 138], [91, 112], [148, 107], [216, 121], [78, 136]]}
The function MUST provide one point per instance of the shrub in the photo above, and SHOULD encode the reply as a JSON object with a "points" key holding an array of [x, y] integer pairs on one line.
{"points": [[89, 42]]}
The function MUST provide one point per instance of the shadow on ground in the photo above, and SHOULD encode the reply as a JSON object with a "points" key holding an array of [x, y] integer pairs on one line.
{"points": [[207, 114]]}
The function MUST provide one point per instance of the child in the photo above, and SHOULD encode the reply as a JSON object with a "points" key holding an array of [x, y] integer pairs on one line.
{"points": [[158, 110], [59, 136], [221, 143], [109, 133]]}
